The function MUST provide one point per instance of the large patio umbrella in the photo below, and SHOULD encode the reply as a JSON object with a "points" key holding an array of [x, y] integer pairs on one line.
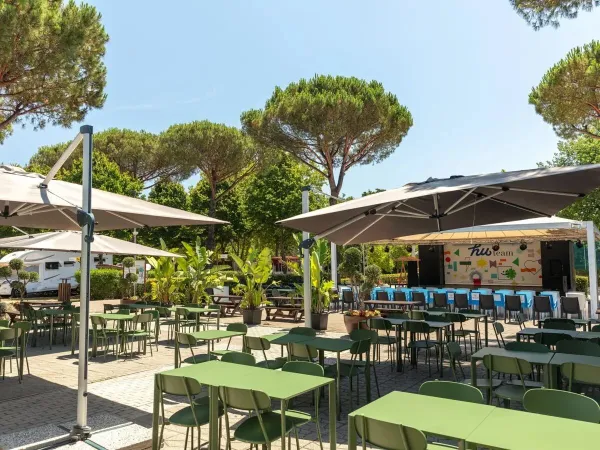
{"points": [[31, 200], [70, 241], [455, 202]]}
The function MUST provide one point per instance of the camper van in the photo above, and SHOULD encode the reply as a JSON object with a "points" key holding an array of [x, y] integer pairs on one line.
{"points": [[52, 267]]}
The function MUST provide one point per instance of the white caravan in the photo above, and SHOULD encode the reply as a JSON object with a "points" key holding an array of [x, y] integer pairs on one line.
{"points": [[52, 267]]}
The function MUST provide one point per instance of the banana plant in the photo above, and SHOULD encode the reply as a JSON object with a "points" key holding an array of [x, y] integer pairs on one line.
{"points": [[165, 284], [198, 274], [320, 287], [257, 268]]}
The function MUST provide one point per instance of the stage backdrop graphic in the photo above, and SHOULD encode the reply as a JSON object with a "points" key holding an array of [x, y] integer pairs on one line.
{"points": [[479, 264]]}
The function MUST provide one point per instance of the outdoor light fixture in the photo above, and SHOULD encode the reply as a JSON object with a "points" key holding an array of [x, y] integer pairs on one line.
{"points": [[306, 244], [409, 248], [579, 244], [431, 249], [496, 246], [387, 249], [523, 245], [372, 249], [549, 245]]}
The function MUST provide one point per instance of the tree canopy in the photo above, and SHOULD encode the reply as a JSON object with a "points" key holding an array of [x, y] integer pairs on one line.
{"points": [[222, 154], [52, 69], [568, 97], [331, 124], [136, 153], [541, 13]]}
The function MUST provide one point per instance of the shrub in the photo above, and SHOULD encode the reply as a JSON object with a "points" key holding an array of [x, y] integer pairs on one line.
{"points": [[104, 283], [393, 278], [582, 283]]}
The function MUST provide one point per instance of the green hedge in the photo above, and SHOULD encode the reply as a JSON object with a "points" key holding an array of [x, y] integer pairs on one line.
{"points": [[104, 283], [582, 283], [393, 278]]}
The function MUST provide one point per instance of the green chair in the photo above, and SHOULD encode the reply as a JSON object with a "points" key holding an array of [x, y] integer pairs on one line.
{"points": [[299, 351], [396, 315], [303, 331], [579, 374], [5, 323], [510, 366], [568, 405], [261, 344], [416, 314], [526, 347], [102, 335], [390, 436], [262, 427], [596, 328], [194, 415], [210, 318], [452, 391], [239, 327], [186, 319], [498, 330], [143, 335], [550, 339], [454, 354], [245, 359], [25, 328], [388, 339], [166, 320], [7, 350], [191, 342], [300, 418], [559, 324], [416, 328], [360, 335], [575, 347], [459, 331]]}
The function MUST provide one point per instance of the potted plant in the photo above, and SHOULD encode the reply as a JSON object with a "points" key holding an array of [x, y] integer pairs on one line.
{"points": [[320, 287], [356, 318], [19, 286], [129, 277], [256, 270]]}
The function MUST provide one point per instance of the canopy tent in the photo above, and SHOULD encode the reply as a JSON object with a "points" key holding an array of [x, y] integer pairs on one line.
{"points": [[70, 241], [31, 200], [540, 229]]}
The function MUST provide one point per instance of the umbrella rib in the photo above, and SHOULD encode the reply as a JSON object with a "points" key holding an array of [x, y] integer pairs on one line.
{"points": [[437, 211], [524, 208], [364, 229], [390, 214], [466, 194], [415, 208], [351, 221], [125, 218], [67, 216], [18, 208], [482, 199], [31, 208], [536, 191]]}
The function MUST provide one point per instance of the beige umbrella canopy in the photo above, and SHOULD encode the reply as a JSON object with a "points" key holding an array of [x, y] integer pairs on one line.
{"points": [[24, 203], [445, 204], [70, 241]]}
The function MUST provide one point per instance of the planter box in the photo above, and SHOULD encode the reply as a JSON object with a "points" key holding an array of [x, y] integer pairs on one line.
{"points": [[252, 316], [319, 321], [354, 323]]}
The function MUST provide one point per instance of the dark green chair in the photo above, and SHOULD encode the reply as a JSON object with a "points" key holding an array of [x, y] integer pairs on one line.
{"points": [[299, 351], [416, 329], [388, 339], [9, 348], [262, 345], [596, 328], [459, 331], [194, 415], [102, 335], [25, 328], [245, 359], [417, 314], [262, 427], [526, 347], [580, 374], [576, 347], [452, 391], [454, 353], [508, 392], [498, 330], [550, 339], [559, 324], [240, 327], [142, 335], [190, 341], [567, 405]]}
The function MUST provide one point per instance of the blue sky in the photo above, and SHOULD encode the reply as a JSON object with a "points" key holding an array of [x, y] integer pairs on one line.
{"points": [[464, 68]]}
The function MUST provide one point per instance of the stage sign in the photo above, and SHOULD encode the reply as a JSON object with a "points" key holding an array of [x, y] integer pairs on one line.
{"points": [[479, 264]]}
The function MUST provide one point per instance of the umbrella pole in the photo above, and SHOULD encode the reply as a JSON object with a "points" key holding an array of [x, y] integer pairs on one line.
{"points": [[593, 271], [306, 262], [81, 430]]}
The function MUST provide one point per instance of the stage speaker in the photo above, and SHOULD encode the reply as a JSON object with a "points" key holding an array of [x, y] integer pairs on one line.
{"points": [[431, 265], [556, 260], [412, 273]]}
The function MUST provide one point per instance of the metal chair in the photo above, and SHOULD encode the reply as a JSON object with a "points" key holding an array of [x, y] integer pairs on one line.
{"points": [[541, 305], [381, 295], [399, 296], [347, 299], [570, 305], [419, 297], [486, 303], [512, 305], [461, 301], [440, 300]]}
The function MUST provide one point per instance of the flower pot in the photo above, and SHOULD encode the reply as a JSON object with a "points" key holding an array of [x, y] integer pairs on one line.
{"points": [[319, 321], [252, 316], [354, 323]]}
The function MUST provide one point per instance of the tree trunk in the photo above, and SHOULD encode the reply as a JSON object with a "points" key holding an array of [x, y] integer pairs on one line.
{"points": [[212, 208]]}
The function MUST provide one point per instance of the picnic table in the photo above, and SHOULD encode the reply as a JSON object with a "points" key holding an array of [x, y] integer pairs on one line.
{"points": [[210, 336], [279, 385], [434, 415], [231, 304], [396, 305], [292, 305], [438, 326]]}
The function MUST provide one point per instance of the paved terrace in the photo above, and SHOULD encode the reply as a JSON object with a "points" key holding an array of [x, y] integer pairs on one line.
{"points": [[121, 394]]}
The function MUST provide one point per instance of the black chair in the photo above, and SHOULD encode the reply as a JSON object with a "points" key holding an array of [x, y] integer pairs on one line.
{"points": [[512, 305], [420, 298], [461, 301], [541, 305], [335, 299], [381, 295], [440, 300], [347, 299], [399, 296], [570, 305], [486, 303]]}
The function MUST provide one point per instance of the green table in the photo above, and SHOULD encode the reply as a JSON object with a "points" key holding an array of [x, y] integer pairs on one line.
{"points": [[196, 312], [439, 416], [439, 327], [141, 307], [542, 359], [278, 385], [520, 430], [210, 336], [475, 317], [586, 323], [581, 335], [120, 319], [284, 339], [561, 358], [57, 312]]}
